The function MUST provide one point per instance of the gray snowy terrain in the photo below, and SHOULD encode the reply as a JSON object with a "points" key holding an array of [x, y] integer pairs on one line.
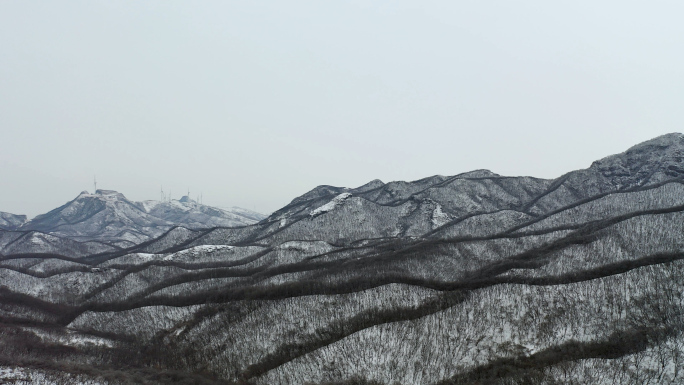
{"points": [[191, 214], [11, 221], [475, 278], [106, 218]]}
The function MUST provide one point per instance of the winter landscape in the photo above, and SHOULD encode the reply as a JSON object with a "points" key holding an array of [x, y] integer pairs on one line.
{"points": [[475, 278]]}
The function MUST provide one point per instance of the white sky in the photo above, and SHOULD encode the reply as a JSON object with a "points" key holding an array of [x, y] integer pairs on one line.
{"points": [[255, 102]]}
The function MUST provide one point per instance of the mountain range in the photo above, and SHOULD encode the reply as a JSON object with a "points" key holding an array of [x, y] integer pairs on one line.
{"points": [[475, 278], [108, 219]]}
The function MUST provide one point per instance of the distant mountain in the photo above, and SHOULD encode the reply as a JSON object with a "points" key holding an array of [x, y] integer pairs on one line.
{"points": [[188, 213], [109, 216], [11, 221], [475, 278], [105, 215]]}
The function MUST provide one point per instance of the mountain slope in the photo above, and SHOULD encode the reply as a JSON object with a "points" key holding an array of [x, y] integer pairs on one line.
{"points": [[34, 242], [188, 213], [469, 279], [654, 161], [11, 221], [105, 215], [109, 216], [422, 207]]}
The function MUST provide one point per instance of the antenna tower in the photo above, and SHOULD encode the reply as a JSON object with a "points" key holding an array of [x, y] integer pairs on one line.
{"points": [[95, 184]]}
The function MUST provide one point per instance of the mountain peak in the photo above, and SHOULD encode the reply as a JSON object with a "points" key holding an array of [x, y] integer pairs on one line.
{"points": [[109, 193], [10, 221], [663, 141], [662, 146], [480, 173], [108, 214], [375, 183], [648, 162], [186, 199]]}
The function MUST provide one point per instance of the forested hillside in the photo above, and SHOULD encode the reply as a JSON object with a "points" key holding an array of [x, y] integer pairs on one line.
{"points": [[475, 278]]}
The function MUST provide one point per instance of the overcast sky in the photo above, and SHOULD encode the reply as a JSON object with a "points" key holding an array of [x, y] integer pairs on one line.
{"points": [[255, 102]]}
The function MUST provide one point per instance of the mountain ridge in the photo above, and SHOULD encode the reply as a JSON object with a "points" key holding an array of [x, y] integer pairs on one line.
{"points": [[10, 221], [109, 216], [474, 278]]}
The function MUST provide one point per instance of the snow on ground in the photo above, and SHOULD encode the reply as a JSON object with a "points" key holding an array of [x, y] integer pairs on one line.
{"points": [[72, 338], [148, 206], [9, 375], [197, 250], [187, 254], [306, 245], [338, 200], [26, 376], [133, 259], [439, 217]]}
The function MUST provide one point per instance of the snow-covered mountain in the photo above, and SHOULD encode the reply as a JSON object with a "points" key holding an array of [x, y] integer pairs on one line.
{"points": [[475, 278], [188, 213], [109, 216], [11, 221], [435, 206], [105, 215]]}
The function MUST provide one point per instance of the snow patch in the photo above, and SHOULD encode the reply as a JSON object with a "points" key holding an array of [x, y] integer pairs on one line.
{"points": [[147, 206], [144, 256], [37, 241], [305, 245], [338, 200], [13, 374], [196, 250], [439, 217], [72, 338]]}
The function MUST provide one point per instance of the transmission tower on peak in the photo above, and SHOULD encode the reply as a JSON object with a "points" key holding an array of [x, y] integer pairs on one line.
{"points": [[94, 184]]}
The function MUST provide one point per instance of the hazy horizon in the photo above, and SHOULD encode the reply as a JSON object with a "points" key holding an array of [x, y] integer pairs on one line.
{"points": [[253, 104]]}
